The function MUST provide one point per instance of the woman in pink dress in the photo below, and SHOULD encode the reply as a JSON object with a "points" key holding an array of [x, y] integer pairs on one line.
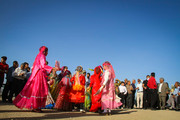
{"points": [[109, 100], [34, 94]]}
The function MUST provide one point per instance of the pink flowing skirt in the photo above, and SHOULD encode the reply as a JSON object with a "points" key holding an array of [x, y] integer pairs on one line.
{"points": [[34, 94], [109, 99]]}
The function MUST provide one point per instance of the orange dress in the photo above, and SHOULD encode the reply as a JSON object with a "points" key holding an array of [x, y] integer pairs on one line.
{"points": [[77, 92]]}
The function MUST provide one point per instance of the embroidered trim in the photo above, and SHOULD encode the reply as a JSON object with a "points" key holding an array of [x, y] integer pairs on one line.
{"points": [[30, 96]]}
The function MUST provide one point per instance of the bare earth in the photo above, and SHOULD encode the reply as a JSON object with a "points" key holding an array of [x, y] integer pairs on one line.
{"points": [[10, 112]]}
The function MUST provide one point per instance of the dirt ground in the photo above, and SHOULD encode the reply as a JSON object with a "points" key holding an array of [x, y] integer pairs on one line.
{"points": [[10, 112]]}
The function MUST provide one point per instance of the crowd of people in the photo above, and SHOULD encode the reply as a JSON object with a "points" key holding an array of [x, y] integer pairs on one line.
{"points": [[41, 87], [148, 94]]}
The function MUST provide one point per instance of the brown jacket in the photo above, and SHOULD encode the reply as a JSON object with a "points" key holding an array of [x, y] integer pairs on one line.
{"points": [[129, 89], [164, 89]]}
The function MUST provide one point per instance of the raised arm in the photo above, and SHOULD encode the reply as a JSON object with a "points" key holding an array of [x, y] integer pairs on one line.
{"points": [[43, 64]]}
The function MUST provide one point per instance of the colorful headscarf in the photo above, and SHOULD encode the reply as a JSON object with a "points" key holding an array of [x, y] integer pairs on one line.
{"points": [[110, 68]]}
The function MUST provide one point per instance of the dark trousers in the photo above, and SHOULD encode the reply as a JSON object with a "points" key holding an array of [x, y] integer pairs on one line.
{"points": [[129, 100], [1, 82], [125, 100], [6, 91], [133, 99], [122, 96], [178, 103], [154, 98], [18, 85], [145, 100]]}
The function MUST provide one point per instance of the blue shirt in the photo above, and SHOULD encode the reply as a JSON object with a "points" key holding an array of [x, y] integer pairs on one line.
{"points": [[140, 87]]}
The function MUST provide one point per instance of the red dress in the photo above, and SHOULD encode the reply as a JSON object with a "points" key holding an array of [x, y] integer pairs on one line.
{"points": [[77, 93], [62, 102], [95, 84]]}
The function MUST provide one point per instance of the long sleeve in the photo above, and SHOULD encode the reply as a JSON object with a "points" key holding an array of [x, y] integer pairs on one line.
{"points": [[106, 77], [43, 64]]}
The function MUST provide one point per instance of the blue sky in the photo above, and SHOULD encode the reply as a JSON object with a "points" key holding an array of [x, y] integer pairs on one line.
{"points": [[137, 37]]}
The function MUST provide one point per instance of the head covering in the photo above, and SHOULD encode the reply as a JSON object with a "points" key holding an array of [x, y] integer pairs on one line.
{"points": [[41, 52], [97, 73], [78, 68], [42, 49], [97, 70], [68, 72], [84, 71], [110, 68]]}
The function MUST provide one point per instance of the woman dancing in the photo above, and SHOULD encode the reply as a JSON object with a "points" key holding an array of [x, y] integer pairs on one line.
{"points": [[34, 94], [95, 84], [109, 100]]}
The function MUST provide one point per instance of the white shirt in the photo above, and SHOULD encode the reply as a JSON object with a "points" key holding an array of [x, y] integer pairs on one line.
{"points": [[160, 86], [123, 89], [17, 72], [139, 85], [87, 82], [106, 77]]}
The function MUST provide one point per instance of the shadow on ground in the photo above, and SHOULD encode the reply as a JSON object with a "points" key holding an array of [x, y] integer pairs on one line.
{"points": [[51, 114]]}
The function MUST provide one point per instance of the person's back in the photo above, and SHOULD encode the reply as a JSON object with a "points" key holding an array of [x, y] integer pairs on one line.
{"points": [[152, 83], [153, 91]]}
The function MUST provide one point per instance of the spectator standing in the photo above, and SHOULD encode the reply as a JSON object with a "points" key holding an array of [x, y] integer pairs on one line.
{"points": [[153, 90], [19, 79], [123, 93], [9, 83], [133, 92], [139, 94], [125, 83], [162, 92], [3, 69], [146, 93], [129, 95]]}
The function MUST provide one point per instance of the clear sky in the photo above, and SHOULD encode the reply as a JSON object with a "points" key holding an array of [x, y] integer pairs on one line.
{"points": [[137, 36]]}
